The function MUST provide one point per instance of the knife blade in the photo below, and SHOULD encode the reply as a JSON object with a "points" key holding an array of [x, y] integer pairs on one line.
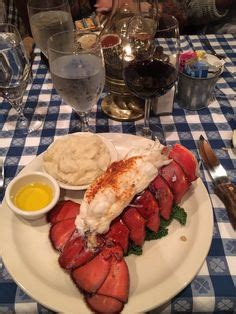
{"points": [[223, 187]]}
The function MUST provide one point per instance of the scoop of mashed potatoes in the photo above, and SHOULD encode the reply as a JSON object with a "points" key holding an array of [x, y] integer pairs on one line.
{"points": [[77, 159]]}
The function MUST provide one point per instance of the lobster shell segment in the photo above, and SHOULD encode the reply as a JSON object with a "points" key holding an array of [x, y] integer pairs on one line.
{"points": [[148, 208], [146, 204], [176, 179], [75, 253], [186, 159], [163, 195], [116, 284], [62, 211], [153, 222], [104, 304], [91, 276], [136, 224], [61, 232], [118, 234]]}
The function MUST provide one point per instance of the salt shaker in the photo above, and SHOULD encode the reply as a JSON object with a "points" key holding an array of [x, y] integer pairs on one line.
{"points": [[163, 105]]}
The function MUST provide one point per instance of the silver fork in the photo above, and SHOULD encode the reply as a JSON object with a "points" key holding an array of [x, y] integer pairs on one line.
{"points": [[2, 176]]}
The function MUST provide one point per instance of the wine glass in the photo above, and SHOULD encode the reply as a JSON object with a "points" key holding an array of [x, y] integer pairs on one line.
{"points": [[150, 65], [48, 17], [15, 74], [149, 11], [77, 68]]}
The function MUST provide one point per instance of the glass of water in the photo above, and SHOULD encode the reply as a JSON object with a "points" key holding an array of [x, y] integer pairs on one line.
{"points": [[15, 73], [77, 68], [48, 17]]}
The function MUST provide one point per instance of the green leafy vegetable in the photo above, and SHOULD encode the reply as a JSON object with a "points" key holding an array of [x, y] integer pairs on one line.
{"points": [[179, 214], [165, 223], [162, 232], [134, 249], [151, 235]]}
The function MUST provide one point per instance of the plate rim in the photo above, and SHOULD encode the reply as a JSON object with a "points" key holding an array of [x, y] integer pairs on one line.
{"points": [[201, 258]]}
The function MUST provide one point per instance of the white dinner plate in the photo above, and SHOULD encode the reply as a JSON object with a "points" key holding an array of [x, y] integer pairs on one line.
{"points": [[111, 148], [166, 266]]}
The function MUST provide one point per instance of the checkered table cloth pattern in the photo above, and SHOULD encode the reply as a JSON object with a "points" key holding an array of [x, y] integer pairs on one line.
{"points": [[214, 287]]}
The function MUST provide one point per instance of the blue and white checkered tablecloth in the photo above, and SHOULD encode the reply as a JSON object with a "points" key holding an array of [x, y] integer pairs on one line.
{"points": [[214, 288]]}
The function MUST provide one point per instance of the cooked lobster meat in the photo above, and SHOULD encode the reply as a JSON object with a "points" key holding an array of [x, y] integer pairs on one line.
{"points": [[92, 247], [112, 192]]}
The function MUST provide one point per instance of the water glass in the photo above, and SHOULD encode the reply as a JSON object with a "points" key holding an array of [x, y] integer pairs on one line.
{"points": [[48, 17], [15, 73], [77, 68]]}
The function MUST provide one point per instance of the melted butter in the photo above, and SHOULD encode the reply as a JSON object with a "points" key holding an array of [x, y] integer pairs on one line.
{"points": [[33, 196]]}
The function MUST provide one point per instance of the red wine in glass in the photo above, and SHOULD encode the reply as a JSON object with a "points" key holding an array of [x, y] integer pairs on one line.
{"points": [[149, 78], [150, 65]]}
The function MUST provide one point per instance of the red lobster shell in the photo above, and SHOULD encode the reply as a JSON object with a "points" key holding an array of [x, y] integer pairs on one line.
{"points": [[102, 274]]}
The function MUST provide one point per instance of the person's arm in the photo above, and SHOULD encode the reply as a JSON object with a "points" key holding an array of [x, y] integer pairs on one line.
{"points": [[205, 11]]}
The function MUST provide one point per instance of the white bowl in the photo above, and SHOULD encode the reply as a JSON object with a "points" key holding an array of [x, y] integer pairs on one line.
{"points": [[22, 180]]}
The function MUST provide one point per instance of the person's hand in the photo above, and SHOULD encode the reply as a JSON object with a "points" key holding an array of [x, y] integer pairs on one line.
{"points": [[28, 43]]}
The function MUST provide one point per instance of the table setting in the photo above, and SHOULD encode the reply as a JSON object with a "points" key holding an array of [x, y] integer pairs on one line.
{"points": [[153, 228]]}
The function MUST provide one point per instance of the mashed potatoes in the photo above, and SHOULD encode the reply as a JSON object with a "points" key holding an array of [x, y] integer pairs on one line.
{"points": [[77, 159]]}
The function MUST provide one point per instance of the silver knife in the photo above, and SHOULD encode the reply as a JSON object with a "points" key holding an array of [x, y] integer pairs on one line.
{"points": [[1, 174], [224, 189]]}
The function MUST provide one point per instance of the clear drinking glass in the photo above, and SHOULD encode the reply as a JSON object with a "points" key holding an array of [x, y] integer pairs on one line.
{"points": [[77, 68], [150, 65], [149, 11], [15, 73], [48, 17]]}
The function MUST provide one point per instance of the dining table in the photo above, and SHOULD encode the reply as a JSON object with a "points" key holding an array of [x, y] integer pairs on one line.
{"points": [[213, 287]]}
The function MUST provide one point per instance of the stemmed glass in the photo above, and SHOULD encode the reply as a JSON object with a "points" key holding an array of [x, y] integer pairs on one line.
{"points": [[77, 69], [150, 65], [48, 17], [15, 74], [149, 11]]}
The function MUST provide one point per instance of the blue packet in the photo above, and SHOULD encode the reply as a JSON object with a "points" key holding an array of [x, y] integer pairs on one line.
{"points": [[188, 71], [200, 69]]}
